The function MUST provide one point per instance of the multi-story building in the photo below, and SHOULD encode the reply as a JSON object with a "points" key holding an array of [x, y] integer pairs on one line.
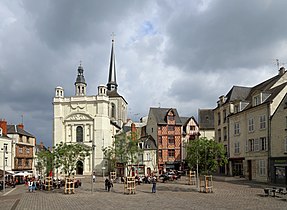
{"points": [[6, 159], [23, 148], [190, 132], [164, 125], [39, 168], [249, 113], [206, 123], [232, 102], [278, 147]]}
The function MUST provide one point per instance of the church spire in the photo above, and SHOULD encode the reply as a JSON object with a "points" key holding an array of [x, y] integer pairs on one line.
{"points": [[112, 82], [80, 84]]}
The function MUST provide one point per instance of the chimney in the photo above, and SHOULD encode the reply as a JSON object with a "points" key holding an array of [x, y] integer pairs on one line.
{"points": [[133, 130], [21, 125], [3, 125], [281, 71]]}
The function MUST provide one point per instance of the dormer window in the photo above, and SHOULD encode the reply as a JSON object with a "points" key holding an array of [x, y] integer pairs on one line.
{"points": [[257, 100], [170, 117]]}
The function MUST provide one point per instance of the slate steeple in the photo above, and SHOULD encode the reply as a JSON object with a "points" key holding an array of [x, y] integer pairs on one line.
{"points": [[112, 81], [80, 84]]}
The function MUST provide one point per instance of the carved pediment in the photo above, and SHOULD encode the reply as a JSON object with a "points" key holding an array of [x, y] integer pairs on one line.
{"points": [[77, 117]]}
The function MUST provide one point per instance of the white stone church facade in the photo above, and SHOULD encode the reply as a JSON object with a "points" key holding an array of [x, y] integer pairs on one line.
{"points": [[90, 120]]}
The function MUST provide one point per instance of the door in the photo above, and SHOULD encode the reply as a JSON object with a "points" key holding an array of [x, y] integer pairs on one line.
{"points": [[80, 168], [249, 165]]}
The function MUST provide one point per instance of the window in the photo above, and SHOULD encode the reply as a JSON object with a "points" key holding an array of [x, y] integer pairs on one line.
{"points": [[19, 162], [170, 118], [236, 128], [251, 145], [219, 135], [6, 147], [27, 150], [236, 147], [20, 150], [170, 139], [225, 149], [148, 156], [256, 100], [262, 122], [171, 127], [141, 145], [171, 153], [20, 138], [192, 128], [113, 110], [225, 133], [256, 144], [218, 120], [236, 108], [27, 163], [262, 167], [79, 134], [159, 140], [160, 153], [28, 139], [250, 125], [263, 143], [224, 116]]}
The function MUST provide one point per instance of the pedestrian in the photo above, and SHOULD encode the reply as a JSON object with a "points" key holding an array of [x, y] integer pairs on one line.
{"points": [[153, 190], [94, 178], [30, 185], [106, 183]]}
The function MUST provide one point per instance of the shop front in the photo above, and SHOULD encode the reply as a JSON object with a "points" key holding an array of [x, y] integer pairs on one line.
{"points": [[278, 170]]}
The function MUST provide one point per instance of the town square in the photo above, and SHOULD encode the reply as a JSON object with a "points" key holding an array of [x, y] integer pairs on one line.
{"points": [[152, 104], [240, 194]]}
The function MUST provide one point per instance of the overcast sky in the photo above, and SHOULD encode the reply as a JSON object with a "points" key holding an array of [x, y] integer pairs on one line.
{"points": [[174, 54]]}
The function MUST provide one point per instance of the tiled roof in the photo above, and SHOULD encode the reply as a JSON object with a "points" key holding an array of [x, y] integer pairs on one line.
{"points": [[15, 129], [161, 113]]}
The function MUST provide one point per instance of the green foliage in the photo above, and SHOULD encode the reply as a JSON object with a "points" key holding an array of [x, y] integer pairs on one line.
{"points": [[44, 162], [66, 156], [125, 150], [208, 154]]}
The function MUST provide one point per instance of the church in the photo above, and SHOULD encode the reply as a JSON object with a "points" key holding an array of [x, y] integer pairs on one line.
{"points": [[91, 120]]}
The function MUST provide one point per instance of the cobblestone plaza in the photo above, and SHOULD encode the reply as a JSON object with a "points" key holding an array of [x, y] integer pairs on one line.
{"points": [[235, 194]]}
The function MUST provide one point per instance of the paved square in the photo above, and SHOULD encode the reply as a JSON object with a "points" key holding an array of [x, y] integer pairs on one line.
{"points": [[235, 194]]}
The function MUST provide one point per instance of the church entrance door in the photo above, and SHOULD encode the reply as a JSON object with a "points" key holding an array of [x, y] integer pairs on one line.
{"points": [[80, 168]]}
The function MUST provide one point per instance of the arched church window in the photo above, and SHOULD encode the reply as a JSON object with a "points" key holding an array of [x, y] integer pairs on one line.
{"points": [[79, 89], [83, 90], [113, 110], [79, 134]]}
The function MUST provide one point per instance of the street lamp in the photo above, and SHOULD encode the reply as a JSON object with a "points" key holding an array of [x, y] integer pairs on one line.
{"points": [[4, 152], [93, 165]]}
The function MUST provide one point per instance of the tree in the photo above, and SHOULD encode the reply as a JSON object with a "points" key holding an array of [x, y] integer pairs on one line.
{"points": [[66, 156], [44, 162], [208, 154], [125, 150]]}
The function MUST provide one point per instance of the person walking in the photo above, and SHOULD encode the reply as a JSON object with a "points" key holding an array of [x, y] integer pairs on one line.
{"points": [[153, 190]]}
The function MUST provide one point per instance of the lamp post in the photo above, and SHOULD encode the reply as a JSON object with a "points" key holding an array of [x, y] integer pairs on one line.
{"points": [[93, 165], [4, 152]]}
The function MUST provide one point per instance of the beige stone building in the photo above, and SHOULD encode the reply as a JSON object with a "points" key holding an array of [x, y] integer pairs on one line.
{"points": [[278, 146], [91, 120], [246, 130]]}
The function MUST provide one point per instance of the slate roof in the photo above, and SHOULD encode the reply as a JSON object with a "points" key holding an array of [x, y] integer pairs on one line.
{"points": [[114, 94], [149, 142], [185, 120], [205, 119], [15, 129], [161, 114], [237, 93]]}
